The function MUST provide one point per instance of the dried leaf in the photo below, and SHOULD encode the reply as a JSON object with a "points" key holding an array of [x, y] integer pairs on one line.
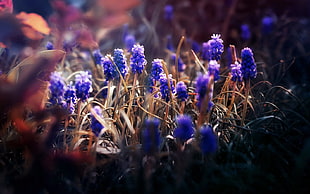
{"points": [[30, 77], [35, 21], [118, 5]]}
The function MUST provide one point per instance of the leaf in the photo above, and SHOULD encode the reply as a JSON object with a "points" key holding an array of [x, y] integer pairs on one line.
{"points": [[118, 5], [34, 21], [6, 6], [30, 77]]}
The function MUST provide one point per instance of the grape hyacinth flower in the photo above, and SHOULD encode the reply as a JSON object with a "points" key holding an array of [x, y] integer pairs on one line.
{"points": [[95, 125], [120, 61], [169, 45], [185, 128], [49, 45], [208, 140], [129, 41], [213, 49], [57, 88], [180, 64], [137, 60], [202, 89], [151, 135], [214, 69], [98, 58], [245, 32], [83, 85], [168, 12], [236, 72], [267, 25], [248, 66], [109, 68], [157, 69], [70, 98], [164, 88], [181, 91]]}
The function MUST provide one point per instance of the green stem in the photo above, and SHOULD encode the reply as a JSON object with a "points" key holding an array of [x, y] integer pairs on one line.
{"points": [[245, 103]]}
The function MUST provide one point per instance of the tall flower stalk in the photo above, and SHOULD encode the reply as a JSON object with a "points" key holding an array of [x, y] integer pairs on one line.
{"points": [[248, 69]]}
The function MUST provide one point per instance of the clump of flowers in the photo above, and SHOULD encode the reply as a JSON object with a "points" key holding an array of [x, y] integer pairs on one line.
{"points": [[120, 61], [181, 91], [185, 128], [208, 140], [95, 125], [204, 91], [267, 25], [129, 41], [151, 135], [137, 60], [168, 9], [180, 63], [248, 66], [57, 88], [164, 87], [109, 68], [49, 45], [83, 85], [214, 69], [156, 69]]}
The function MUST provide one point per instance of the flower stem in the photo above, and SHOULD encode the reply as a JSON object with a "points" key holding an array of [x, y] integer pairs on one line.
{"points": [[245, 103]]}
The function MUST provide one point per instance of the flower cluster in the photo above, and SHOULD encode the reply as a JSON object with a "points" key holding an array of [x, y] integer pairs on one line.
{"points": [[49, 45], [137, 60], [213, 49], [168, 12], [245, 32], [129, 41], [185, 128], [236, 71], [109, 68], [97, 57], [208, 140], [248, 66], [203, 91], [83, 85], [70, 98], [164, 88], [95, 125], [180, 63], [214, 69], [120, 61], [57, 88], [151, 135], [181, 91], [157, 69]]}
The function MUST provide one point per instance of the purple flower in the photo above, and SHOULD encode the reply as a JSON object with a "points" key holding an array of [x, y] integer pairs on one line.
{"points": [[245, 32], [168, 12], [151, 135], [83, 85], [70, 98], [109, 68], [181, 91], [57, 88], [180, 62], [213, 49], [129, 41], [95, 125], [120, 61], [248, 66], [236, 72], [137, 60], [208, 140], [164, 88], [267, 25], [185, 128], [214, 69], [157, 69], [98, 57], [49, 45], [202, 89]]}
